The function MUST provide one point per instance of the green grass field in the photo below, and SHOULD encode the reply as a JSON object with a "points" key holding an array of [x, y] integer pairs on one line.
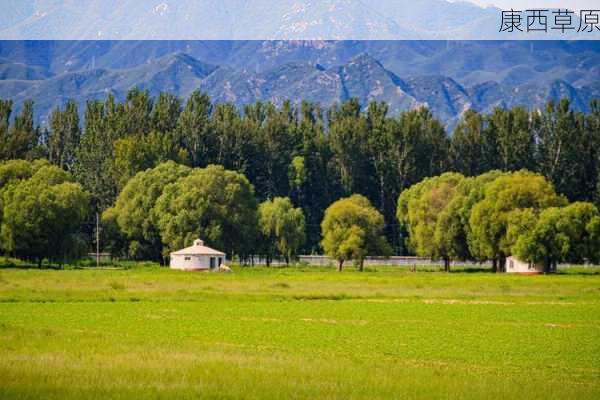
{"points": [[307, 333]]}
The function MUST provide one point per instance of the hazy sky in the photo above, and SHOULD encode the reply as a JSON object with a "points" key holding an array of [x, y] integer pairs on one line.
{"points": [[524, 4]]}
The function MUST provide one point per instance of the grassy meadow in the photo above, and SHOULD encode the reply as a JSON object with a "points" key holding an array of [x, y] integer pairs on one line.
{"points": [[298, 333]]}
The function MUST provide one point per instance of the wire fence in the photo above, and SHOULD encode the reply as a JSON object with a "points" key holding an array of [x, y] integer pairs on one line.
{"points": [[317, 260]]}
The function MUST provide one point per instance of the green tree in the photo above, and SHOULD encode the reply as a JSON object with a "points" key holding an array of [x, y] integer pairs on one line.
{"points": [[194, 130], [277, 140], [422, 147], [42, 217], [453, 233], [133, 209], [15, 171], [471, 152], [577, 222], [311, 183], [283, 227], [5, 113], [132, 155], [514, 138], [592, 125], [420, 209], [352, 229], [212, 203], [113, 239], [23, 139], [94, 156], [236, 142], [165, 113], [348, 139], [137, 112], [64, 136], [560, 234], [566, 151], [382, 139], [505, 196], [593, 228]]}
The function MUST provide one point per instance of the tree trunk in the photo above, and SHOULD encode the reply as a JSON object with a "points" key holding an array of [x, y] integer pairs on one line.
{"points": [[361, 265], [502, 267], [340, 265], [446, 264], [550, 266], [495, 265], [39, 263]]}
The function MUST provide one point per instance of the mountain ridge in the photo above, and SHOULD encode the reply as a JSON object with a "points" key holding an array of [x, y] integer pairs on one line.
{"points": [[362, 76]]}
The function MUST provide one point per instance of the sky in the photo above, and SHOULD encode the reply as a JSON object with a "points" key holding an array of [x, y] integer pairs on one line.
{"points": [[528, 4]]}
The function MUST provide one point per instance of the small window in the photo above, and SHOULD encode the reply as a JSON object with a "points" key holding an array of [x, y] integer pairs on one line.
{"points": [[512, 264], [188, 259]]}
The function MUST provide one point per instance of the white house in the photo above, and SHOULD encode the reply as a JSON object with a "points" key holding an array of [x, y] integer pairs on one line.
{"points": [[197, 258], [516, 266]]}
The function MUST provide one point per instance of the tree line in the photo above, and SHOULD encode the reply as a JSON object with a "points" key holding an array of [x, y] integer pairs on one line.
{"points": [[496, 215], [309, 155], [163, 209]]}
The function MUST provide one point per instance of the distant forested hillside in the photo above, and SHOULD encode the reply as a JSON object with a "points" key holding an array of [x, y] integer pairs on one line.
{"points": [[447, 77]]}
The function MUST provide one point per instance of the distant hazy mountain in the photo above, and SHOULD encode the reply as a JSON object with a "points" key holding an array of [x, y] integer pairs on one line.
{"points": [[254, 19], [468, 62], [448, 77]]}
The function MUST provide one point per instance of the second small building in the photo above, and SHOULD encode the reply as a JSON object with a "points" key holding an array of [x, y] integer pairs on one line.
{"points": [[516, 266]]}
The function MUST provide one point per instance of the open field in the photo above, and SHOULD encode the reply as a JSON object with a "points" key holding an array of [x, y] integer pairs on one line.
{"points": [[298, 333]]}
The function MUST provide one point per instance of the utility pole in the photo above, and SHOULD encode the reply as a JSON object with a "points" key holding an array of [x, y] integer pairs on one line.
{"points": [[97, 240]]}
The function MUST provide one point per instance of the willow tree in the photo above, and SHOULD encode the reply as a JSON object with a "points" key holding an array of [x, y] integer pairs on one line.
{"points": [[42, 216], [132, 212], [561, 234], [507, 200], [352, 229], [212, 203], [420, 209], [282, 226]]}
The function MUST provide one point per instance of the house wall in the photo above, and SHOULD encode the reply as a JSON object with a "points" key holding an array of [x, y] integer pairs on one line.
{"points": [[516, 266], [190, 262]]}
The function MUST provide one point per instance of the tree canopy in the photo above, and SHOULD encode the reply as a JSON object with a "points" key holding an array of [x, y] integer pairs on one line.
{"points": [[42, 216], [282, 226], [352, 229], [560, 234], [212, 203], [133, 209], [505, 200], [420, 209], [312, 155]]}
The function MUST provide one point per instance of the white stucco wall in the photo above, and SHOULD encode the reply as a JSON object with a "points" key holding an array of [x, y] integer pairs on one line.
{"points": [[191, 262], [516, 266]]}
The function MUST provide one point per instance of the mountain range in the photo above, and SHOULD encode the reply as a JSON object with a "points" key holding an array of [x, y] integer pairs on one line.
{"points": [[448, 77], [259, 20]]}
